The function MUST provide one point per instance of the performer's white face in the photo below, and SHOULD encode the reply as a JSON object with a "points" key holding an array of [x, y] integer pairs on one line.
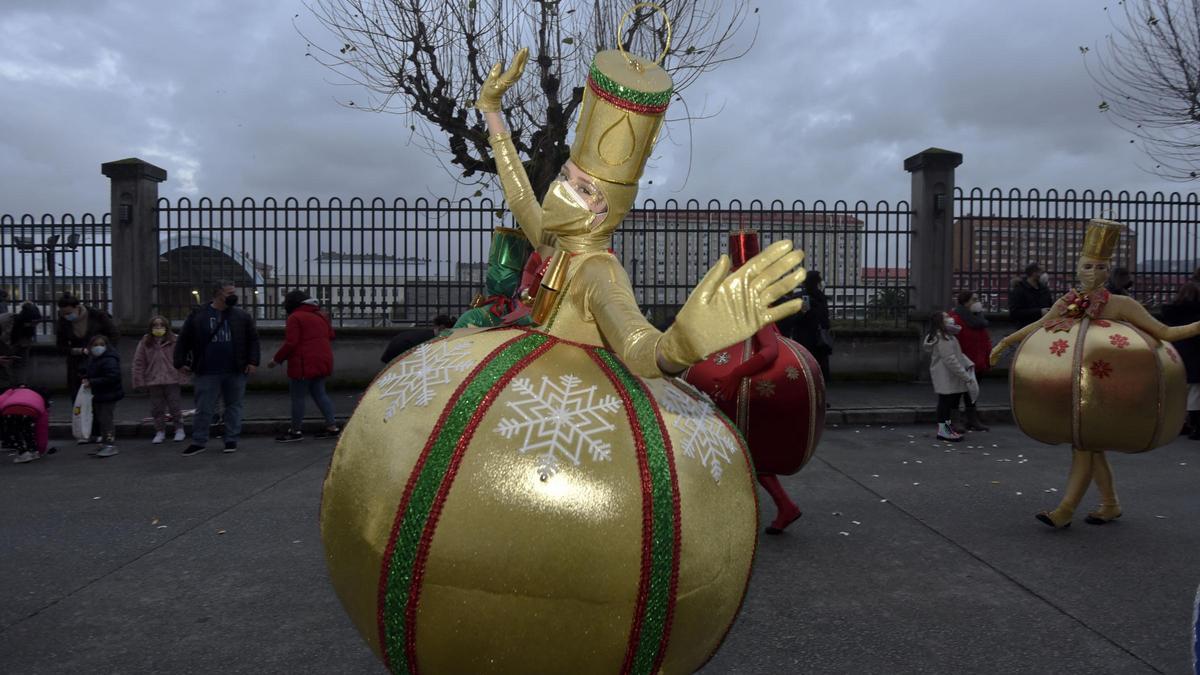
{"points": [[1092, 273]]}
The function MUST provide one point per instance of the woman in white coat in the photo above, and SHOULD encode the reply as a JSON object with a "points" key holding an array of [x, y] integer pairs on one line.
{"points": [[952, 373]]}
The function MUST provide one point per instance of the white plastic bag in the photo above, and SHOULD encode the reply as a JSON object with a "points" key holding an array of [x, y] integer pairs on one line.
{"points": [[81, 415]]}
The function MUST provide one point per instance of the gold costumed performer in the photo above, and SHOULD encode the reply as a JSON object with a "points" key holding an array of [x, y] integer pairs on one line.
{"points": [[1097, 372], [516, 500]]}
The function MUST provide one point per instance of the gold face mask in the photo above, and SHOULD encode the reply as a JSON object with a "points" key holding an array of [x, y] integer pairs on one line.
{"points": [[1091, 274], [564, 212]]}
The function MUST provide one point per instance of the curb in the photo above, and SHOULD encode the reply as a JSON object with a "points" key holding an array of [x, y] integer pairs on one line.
{"points": [[834, 417]]}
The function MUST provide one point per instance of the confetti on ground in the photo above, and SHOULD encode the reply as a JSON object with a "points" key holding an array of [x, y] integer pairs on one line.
{"points": [[844, 534], [220, 531], [1018, 493], [154, 522], [882, 501], [916, 483], [837, 513], [987, 454], [995, 482], [874, 475], [904, 462], [1183, 464], [162, 527], [295, 541], [95, 498], [856, 522], [1160, 517]]}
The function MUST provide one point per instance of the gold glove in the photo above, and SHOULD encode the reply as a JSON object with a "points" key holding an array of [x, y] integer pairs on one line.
{"points": [[498, 82], [725, 308], [997, 352]]}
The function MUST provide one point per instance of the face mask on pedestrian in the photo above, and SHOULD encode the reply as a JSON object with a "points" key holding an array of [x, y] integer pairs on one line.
{"points": [[1092, 274], [977, 307], [158, 331], [950, 327], [73, 316], [231, 300], [98, 350]]}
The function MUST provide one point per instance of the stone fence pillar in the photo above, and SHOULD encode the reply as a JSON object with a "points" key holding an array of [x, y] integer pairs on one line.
{"points": [[134, 239], [931, 274]]}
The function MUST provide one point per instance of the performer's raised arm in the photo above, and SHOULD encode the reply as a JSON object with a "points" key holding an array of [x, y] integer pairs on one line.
{"points": [[518, 193]]}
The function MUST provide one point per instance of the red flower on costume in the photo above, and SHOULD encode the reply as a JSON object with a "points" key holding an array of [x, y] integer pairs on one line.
{"points": [[1102, 369], [1059, 347], [1119, 341]]}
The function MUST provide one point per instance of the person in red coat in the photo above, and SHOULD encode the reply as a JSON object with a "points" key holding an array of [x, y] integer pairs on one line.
{"points": [[308, 350], [975, 342]]}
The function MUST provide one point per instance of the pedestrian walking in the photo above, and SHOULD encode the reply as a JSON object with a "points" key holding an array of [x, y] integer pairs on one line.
{"points": [[218, 346], [1029, 298], [1183, 310], [308, 351], [154, 370], [102, 375], [952, 373], [812, 328], [974, 338]]}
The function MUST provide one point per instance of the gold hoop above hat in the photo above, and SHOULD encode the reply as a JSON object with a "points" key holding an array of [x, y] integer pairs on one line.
{"points": [[621, 25]]}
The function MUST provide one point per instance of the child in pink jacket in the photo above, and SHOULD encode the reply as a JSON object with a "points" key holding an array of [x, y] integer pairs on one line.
{"points": [[154, 369]]}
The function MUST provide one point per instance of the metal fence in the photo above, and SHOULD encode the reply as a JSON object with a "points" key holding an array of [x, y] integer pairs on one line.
{"points": [[381, 263], [378, 263], [42, 258], [997, 233]]}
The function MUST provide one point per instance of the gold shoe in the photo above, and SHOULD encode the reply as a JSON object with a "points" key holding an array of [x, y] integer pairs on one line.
{"points": [[1103, 515], [1054, 519]]}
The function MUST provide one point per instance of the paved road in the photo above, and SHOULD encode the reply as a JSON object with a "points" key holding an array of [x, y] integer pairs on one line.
{"points": [[912, 557]]}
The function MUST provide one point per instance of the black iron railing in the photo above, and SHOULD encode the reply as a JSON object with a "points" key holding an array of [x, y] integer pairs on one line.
{"points": [[383, 262], [998, 233], [43, 257]]}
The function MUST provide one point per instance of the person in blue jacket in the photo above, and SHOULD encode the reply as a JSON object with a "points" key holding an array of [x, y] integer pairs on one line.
{"points": [[102, 375]]}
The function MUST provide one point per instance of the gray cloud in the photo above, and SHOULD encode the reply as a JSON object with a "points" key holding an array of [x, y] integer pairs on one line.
{"points": [[827, 104]]}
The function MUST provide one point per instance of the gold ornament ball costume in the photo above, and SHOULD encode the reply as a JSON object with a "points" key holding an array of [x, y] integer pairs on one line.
{"points": [[1097, 372], [543, 500]]}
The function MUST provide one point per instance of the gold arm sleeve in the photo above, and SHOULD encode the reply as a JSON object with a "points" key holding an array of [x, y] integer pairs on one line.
{"points": [[1132, 311], [610, 301], [518, 193]]}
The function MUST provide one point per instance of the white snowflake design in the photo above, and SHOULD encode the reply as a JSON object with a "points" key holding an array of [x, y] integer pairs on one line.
{"points": [[704, 436], [560, 420], [414, 378]]}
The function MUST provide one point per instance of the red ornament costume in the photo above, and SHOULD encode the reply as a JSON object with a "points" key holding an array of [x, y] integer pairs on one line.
{"points": [[773, 390]]}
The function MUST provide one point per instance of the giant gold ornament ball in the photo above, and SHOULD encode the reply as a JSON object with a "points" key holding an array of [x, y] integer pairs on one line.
{"points": [[1102, 385], [619, 559]]}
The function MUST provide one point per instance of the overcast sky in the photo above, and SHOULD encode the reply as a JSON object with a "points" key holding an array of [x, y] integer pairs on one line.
{"points": [[827, 104]]}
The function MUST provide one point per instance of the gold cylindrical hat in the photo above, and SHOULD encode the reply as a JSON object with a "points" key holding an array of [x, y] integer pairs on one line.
{"points": [[622, 111], [1100, 239]]}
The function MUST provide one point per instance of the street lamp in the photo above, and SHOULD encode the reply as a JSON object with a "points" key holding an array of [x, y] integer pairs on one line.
{"points": [[48, 248]]}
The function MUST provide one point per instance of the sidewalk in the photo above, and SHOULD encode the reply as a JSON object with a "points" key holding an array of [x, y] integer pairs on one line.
{"points": [[850, 402]]}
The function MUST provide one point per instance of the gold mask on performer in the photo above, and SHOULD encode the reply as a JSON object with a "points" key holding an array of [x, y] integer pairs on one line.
{"points": [[565, 213], [1092, 273]]}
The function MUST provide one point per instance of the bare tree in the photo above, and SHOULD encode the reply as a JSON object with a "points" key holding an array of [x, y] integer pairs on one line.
{"points": [[1148, 73], [426, 59]]}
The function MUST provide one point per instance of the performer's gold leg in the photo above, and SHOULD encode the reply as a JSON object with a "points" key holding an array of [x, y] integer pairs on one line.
{"points": [[1077, 485], [1110, 507]]}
